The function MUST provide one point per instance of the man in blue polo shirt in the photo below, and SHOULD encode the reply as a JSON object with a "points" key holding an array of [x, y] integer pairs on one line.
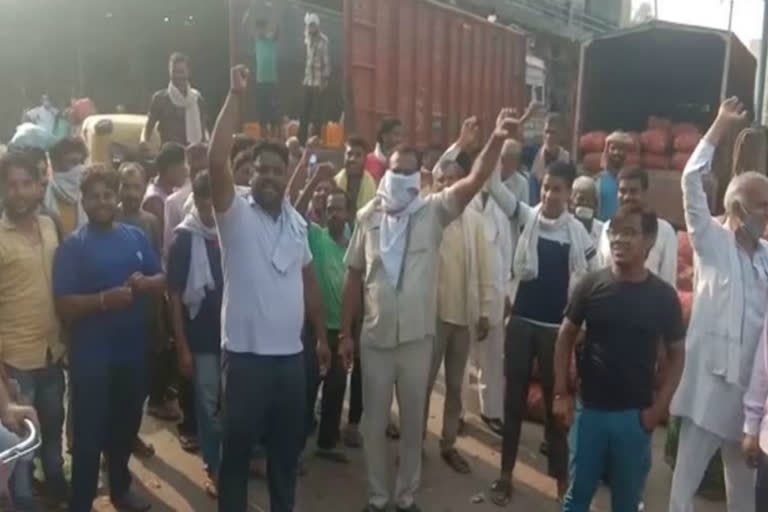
{"points": [[268, 280], [103, 276]]}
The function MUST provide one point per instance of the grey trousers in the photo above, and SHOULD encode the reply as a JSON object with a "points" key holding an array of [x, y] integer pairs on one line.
{"points": [[452, 346], [404, 369]]}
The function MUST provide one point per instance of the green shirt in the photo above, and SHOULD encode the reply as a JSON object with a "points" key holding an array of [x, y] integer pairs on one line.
{"points": [[328, 262], [265, 51]]}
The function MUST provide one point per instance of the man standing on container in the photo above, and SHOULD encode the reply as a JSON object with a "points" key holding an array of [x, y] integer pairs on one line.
{"points": [[268, 285], [317, 72], [178, 111], [393, 255], [726, 322]]}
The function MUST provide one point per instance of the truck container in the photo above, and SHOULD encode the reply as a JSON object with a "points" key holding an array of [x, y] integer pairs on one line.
{"points": [[663, 69], [430, 65]]}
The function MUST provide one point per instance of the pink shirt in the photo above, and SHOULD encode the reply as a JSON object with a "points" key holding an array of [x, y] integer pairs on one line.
{"points": [[375, 167], [756, 398]]}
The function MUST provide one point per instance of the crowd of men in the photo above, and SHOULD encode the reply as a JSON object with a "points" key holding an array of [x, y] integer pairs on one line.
{"points": [[242, 276]]}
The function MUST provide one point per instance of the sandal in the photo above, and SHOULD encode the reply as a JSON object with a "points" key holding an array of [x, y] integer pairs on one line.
{"points": [[454, 459], [188, 443], [351, 437], [142, 449], [500, 493], [392, 431]]}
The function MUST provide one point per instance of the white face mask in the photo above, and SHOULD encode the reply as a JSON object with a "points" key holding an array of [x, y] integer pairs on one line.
{"points": [[398, 190], [584, 212]]}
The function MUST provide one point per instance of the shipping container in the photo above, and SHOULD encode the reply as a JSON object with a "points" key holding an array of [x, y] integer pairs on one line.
{"points": [[679, 72], [430, 65]]}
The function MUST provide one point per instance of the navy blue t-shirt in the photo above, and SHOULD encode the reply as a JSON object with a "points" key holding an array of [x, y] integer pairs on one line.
{"points": [[204, 331], [91, 261], [544, 299]]}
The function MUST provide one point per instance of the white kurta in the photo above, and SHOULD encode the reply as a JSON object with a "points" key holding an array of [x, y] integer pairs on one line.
{"points": [[727, 318]]}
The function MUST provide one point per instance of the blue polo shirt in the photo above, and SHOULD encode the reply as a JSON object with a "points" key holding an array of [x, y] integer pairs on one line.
{"points": [[92, 261]]}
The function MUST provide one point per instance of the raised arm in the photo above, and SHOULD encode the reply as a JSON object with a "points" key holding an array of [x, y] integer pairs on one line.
{"points": [[222, 182], [324, 172], [466, 188], [698, 217]]}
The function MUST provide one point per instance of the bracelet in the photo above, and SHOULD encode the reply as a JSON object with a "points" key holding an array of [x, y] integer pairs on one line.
{"points": [[102, 305]]}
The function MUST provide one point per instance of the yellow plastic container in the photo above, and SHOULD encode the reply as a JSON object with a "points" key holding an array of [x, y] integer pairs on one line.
{"points": [[334, 135]]}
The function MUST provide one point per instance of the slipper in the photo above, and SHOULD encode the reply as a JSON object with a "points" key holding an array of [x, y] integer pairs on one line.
{"points": [[500, 493], [392, 431], [188, 443], [454, 459]]}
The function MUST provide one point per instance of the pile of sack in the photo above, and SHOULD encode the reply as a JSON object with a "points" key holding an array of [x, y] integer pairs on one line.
{"points": [[663, 145]]}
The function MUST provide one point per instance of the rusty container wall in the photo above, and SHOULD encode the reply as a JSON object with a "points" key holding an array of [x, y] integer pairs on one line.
{"points": [[429, 65]]}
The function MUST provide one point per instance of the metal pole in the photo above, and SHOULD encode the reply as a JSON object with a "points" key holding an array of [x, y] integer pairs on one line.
{"points": [[760, 88], [656, 9], [730, 16]]}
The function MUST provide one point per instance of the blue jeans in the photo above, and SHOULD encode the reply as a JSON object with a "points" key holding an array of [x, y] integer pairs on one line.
{"points": [[263, 401], [612, 443], [43, 389], [207, 383]]}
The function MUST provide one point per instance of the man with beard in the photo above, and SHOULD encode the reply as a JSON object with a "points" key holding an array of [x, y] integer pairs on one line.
{"points": [[103, 277], [662, 259], [627, 311], [133, 185], [29, 330], [393, 256], [62, 197], [584, 206], [726, 322], [353, 178], [177, 111], [615, 154], [268, 285]]}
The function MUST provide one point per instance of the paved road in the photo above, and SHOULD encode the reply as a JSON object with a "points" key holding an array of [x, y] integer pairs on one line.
{"points": [[173, 478]]}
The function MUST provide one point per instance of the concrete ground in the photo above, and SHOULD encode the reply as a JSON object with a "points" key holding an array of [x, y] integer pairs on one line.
{"points": [[173, 478]]}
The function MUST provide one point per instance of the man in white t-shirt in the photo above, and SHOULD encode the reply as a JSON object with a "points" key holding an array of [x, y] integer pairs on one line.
{"points": [[662, 260]]}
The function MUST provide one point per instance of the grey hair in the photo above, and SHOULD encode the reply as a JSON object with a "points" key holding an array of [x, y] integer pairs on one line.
{"points": [[587, 184], [511, 147], [734, 194]]}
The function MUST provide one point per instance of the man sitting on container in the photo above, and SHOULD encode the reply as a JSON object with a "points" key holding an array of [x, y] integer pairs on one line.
{"points": [[726, 322], [662, 260], [615, 154]]}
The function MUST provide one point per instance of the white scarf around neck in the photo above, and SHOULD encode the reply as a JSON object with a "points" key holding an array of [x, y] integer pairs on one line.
{"points": [[191, 106], [199, 278], [399, 197], [526, 261], [65, 186]]}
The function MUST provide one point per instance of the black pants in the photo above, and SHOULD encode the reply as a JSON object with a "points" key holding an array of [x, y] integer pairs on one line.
{"points": [[761, 489], [334, 387], [524, 342], [311, 113], [355, 394], [161, 363], [264, 403], [107, 408]]}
